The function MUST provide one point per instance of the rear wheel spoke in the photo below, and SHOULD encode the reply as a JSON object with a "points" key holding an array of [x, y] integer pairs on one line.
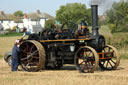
{"points": [[81, 63], [31, 58], [87, 67]]}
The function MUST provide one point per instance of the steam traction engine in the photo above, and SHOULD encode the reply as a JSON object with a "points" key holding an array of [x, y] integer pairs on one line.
{"points": [[44, 50]]}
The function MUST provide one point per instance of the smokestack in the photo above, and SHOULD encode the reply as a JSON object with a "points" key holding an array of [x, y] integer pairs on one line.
{"points": [[95, 27]]}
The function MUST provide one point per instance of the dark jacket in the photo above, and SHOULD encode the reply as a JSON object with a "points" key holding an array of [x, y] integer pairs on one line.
{"points": [[83, 32], [15, 53]]}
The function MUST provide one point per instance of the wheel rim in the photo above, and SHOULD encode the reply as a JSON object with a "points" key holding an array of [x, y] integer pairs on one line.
{"points": [[112, 63], [86, 59], [32, 57]]}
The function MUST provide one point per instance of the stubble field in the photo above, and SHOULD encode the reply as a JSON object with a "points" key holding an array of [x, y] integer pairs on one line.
{"points": [[68, 75]]}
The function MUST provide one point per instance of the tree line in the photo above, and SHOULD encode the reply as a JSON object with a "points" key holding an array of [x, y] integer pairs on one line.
{"points": [[116, 16]]}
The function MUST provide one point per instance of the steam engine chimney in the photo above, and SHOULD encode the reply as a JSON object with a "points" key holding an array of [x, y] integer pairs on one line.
{"points": [[95, 27]]}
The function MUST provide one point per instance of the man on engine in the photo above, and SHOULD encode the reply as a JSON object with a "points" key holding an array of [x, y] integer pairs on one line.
{"points": [[84, 31]]}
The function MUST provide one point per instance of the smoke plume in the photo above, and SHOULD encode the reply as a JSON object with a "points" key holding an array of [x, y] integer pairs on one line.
{"points": [[96, 2], [103, 5]]}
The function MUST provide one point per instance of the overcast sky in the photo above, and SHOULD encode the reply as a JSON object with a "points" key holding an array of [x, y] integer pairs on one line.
{"points": [[48, 6]]}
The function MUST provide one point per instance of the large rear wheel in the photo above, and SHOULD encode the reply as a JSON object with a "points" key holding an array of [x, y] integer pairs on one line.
{"points": [[32, 57], [86, 59]]}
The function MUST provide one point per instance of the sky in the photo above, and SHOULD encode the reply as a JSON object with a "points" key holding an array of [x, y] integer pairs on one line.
{"points": [[47, 6]]}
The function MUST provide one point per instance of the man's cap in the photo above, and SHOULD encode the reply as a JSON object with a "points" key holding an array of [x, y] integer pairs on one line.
{"points": [[83, 23]]}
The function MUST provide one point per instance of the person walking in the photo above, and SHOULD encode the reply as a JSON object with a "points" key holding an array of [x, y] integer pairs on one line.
{"points": [[15, 55]]}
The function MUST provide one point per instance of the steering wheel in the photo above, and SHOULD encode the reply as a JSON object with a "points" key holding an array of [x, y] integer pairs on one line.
{"points": [[68, 32], [71, 26]]}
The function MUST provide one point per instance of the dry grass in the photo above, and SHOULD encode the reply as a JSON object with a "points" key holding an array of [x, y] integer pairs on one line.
{"points": [[104, 30], [6, 44], [66, 76]]}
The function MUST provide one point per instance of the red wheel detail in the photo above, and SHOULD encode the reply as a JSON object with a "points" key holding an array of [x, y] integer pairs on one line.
{"points": [[32, 56], [111, 63], [86, 59]]}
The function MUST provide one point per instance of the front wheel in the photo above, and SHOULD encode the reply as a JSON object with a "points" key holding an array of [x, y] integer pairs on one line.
{"points": [[113, 61], [86, 59]]}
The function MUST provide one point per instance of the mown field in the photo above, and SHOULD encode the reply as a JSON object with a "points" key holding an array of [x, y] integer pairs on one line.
{"points": [[6, 44], [68, 75]]}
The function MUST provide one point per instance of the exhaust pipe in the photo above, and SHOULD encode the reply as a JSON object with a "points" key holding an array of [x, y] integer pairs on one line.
{"points": [[95, 27]]}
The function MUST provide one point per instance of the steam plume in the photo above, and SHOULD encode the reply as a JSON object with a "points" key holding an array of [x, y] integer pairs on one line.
{"points": [[96, 2], [103, 4]]}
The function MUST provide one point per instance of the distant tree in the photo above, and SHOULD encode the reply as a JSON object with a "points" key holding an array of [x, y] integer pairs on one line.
{"points": [[75, 12], [18, 13], [89, 16], [117, 16], [50, 23]]}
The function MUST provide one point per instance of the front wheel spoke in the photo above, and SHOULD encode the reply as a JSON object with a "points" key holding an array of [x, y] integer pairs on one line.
{"points": [[109, 49], [104, 63], [107, 64], [104, 50], [113, 61], [110, 64]]}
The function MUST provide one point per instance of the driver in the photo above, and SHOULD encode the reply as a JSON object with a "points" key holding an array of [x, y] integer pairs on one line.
{"points": [[84, 31]]}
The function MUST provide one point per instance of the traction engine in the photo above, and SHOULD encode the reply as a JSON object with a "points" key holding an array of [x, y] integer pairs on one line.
{"points": [[51, 49]]}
